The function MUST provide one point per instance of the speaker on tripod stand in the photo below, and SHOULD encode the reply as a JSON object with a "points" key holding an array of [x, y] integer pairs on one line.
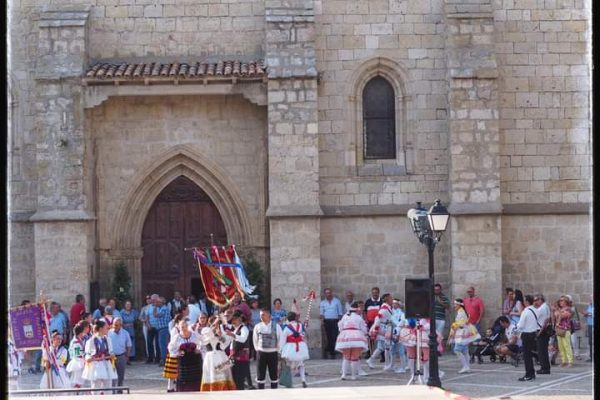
{"points": [[417, 298]]}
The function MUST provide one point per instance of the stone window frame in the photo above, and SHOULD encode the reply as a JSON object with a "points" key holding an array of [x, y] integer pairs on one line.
{"points": [[396, 75]]}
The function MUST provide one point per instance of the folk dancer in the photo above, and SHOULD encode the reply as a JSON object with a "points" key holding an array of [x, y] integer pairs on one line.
{"points": [[267, 337], [381, 332], [352, 340], [58, 372], [398, 319], [407, 335], [239, 349], [170, 368], [99, 356], [293, 347], [462, 333], [15, 359], [214, 377], [184, 347], [77, 355]]}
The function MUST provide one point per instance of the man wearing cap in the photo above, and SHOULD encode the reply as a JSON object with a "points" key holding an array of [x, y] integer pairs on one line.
{"points": [[121, 344]]}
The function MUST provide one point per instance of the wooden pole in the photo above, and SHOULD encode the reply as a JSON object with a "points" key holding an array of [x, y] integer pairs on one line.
{"points": [[43, 300]]}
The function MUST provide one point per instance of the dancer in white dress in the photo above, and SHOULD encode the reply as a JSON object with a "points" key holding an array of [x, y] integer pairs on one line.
{"points": [[215, 340], [352, 340], [15, 358], [293, 347], [99, 368], [60, 379], [77, 354], [408, 337]]}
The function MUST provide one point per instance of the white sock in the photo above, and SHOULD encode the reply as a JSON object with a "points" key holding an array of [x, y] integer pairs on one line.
{"points": [[344, 367], [354, 368], [375, 355], [425, 365], [302, 374], [389, 361]]}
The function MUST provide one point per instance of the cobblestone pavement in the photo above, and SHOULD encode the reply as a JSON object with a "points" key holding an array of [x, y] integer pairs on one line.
{"points": [[488, 380]]}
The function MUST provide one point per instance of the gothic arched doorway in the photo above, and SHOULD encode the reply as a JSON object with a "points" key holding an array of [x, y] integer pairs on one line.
{"points": [[182, 216]]}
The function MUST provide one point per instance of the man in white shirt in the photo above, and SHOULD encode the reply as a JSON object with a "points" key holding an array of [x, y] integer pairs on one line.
{"points": [[267, 339], [543, 313], [511, 347], [528, 327], [121, 345]]}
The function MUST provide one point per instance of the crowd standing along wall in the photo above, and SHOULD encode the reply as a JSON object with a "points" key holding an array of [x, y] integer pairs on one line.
{"points": [[491, 103]]}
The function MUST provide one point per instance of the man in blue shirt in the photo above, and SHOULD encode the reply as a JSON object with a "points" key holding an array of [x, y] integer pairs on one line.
{"points": [[57, 319], [589, 314], [158, 331], [121, 345], [330, 311]]}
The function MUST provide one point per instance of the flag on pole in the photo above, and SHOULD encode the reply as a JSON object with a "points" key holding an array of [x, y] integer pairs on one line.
{"points": [[222, 273]]}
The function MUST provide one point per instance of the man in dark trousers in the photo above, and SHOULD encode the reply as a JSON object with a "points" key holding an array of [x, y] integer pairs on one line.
{"points": [[544, 319], [372, 306], [528, 328], [330, 311]]}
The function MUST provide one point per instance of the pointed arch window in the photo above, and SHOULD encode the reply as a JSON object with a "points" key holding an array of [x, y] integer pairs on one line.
{"points": [[379, 120]]}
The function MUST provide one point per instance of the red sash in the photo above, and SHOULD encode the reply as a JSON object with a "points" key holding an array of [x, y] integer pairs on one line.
{"points": [[297, 339]]}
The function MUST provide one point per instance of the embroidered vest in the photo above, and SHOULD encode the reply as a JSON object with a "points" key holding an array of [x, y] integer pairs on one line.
{"points": [[268, 340]]}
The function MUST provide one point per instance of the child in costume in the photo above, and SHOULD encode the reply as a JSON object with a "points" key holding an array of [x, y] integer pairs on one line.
{"points": [[214, 377], [77, 355], [381, 331], [462, 333], [99, 358], [352, 340], [398, 319], [293, 347], [59, 376]]}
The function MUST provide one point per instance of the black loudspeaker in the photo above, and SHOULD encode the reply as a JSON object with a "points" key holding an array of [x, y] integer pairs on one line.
{"points": [[417, 295]]}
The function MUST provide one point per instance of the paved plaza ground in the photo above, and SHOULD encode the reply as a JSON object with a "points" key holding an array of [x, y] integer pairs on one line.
{"points": [[486, 381]]}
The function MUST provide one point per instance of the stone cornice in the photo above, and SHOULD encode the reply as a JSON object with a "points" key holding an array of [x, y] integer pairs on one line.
{"points": [[549, 208], [294, 211], [62, 215]]}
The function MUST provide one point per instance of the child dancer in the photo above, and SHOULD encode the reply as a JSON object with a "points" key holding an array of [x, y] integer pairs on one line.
{"points": [[99, 368], [58, 372], [462, 333], [352, 340], [77, 355], [293, 347], [408, 337]]}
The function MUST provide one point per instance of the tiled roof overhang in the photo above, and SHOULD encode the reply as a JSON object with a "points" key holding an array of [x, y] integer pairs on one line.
{"points": [[103, 72]]}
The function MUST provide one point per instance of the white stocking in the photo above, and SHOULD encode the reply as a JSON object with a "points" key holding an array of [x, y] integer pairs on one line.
{"points": [[354, 367], [375, 355], [389, 360], [425, 365], [302, 374], [344, 367]]}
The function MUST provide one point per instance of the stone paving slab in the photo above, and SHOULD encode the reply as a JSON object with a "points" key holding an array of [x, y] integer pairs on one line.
{"points": [[486, 381]]}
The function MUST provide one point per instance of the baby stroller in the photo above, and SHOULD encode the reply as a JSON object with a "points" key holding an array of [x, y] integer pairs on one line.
{"points": [[485, 346]]}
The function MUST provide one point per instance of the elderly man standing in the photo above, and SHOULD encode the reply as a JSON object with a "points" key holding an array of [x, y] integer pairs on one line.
{"points": [[349, 300], [330, 311], [99, 312], [121, 344], [152, 332]]}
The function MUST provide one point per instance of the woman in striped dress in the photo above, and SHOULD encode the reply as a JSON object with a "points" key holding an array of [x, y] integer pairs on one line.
{"points": [[170, 369]]}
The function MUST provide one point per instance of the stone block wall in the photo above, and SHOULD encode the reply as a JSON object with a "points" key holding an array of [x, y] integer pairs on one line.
{"points": [[361, 252], [402, 40], [550, 254], [543, 57]]}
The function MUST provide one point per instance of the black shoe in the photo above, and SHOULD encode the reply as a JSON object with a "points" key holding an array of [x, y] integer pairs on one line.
{"points": [[304, 384], [251, 387], [542, 372], [527, 378], [480, 361], [149, 361]]}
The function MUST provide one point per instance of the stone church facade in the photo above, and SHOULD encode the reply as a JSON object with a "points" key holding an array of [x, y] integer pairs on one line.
{"points": [[301, 131]]}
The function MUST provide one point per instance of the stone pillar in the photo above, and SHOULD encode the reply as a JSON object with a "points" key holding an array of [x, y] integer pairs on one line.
{"points": [[64, 220], [294, 209], [474, 153]]}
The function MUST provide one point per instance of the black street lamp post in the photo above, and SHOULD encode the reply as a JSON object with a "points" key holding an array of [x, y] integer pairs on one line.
{"points": [[429, 226]]}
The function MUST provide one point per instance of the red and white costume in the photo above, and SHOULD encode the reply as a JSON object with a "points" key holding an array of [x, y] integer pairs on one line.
{"points": [[353, 333]]}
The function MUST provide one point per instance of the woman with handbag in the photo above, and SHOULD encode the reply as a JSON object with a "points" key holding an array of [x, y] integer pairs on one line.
{"points": [[562, 316]]}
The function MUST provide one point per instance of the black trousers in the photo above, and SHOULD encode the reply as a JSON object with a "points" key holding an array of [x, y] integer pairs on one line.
{"points": [[240, 370], [332, 332], [267, 360], [529, 344], [542, 351], [590, 332]]}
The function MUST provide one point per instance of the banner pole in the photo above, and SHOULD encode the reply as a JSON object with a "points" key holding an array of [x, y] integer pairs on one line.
{"points": [[49, 377]]}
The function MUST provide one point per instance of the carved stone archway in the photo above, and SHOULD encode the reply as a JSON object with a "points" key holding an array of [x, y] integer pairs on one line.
{"points": [[178, 161]]}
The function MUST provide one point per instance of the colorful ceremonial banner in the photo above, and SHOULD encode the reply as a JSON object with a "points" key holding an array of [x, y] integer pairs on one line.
{"points": [[222, 273], [27, 326]]}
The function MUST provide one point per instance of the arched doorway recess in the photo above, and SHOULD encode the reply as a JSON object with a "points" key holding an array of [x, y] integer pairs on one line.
{"points": [[182, 216]]}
